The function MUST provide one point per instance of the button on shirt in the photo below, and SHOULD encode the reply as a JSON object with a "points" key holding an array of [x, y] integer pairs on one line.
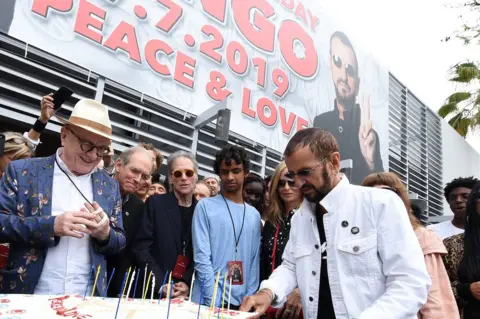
{"points": [[67, 266]]}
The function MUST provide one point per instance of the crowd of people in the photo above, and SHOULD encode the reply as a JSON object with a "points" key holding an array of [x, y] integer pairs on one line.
{"points": [[302, 243]]}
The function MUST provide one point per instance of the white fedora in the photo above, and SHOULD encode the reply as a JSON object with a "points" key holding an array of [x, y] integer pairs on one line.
{"points": [[91, 116]]}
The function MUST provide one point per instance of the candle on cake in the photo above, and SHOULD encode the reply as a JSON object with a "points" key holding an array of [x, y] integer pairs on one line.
{"points": [[124, 288], [131, 282], [223, 295], [120, 294], [96, 279], [214, 296], [161, 287], [108, 283], [86, 288]]}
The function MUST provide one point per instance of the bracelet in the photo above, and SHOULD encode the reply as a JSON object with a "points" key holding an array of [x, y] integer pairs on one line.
{"points": [[39, 126]]}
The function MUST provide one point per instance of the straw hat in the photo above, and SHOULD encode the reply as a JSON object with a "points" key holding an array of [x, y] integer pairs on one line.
{"points": [[91, 116]]}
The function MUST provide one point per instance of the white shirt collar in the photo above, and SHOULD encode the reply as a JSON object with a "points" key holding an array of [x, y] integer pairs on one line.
{"points": [[63, 166], [336, 197]]}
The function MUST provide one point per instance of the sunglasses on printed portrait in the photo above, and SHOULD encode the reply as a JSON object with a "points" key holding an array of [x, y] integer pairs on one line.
{"points": [[348, 67], [283, 182], [179, 173]]}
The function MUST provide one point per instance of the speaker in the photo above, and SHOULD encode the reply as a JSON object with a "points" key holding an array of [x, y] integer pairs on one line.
{"points": [[222, 128]]}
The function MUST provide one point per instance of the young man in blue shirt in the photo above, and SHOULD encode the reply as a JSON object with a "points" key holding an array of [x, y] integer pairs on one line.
{"points": [[226, 235]]}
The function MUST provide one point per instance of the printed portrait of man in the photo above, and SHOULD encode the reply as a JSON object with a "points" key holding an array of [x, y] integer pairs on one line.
{"points": [[350, 121]]}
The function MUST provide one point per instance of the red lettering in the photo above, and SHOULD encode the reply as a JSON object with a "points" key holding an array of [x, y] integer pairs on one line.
{"points": [[216, 9], [42, 7], [270, 119], [260, 32], [289, 4], [86, 20], [125, 38], [174, 14], [216, 86], [261, 65], [59, 298], [184, 65], [209, 48], [289, 34], [240, 66], [246, 103], [301, 123], [280, 79], [313, 20], [287, 125], [300, 12], [152, 48]]}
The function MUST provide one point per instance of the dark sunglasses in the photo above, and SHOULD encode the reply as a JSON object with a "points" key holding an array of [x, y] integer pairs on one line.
{"points": [[282, 183], [348, 67], [179, 173], [87, 146]]}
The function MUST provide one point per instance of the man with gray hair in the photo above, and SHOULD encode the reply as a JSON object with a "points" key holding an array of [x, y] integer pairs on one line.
{"points": [[164, 238], [132, 168], [213, 182]]}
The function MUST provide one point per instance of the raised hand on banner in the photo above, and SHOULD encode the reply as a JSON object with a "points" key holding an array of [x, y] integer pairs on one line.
{"points": [[46, 108], [366, 135]]}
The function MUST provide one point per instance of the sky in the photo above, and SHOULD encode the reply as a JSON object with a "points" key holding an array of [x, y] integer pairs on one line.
{"points": [[406, 36]]}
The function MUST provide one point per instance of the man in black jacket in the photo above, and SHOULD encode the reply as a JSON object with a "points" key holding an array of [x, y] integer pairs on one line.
{"points": [[132, 168], [350, 122]]}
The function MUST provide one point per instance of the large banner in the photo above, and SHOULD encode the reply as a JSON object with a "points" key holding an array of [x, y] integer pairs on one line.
{"points": [[285, 64]]}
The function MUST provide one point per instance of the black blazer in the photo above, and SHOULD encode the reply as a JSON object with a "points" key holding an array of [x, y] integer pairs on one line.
{"points": [[132, 212], [159, 239]]}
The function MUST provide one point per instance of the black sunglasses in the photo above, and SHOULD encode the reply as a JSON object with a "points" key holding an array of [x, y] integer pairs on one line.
{"points": [[87, 146], [283, 182], [348, 67]]}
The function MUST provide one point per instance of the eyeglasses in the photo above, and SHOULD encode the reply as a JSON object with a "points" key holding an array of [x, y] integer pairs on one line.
{"points": [[87, 146], [303, 173], [283, 182], [348, 67], [20, 141], [179, 173]]}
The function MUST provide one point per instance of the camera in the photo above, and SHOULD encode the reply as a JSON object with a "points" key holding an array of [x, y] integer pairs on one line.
{"points": [[2, 144]]}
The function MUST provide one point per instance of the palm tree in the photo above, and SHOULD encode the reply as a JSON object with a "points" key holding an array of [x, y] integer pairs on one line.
{"points": [[462, 108]]}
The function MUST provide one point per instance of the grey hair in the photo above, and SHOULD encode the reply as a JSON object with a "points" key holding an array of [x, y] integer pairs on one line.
{"points": [[179, 154], [125, 157]]}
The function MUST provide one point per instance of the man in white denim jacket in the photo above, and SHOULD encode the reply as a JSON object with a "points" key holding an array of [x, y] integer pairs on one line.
{"points": [[376, 268]]}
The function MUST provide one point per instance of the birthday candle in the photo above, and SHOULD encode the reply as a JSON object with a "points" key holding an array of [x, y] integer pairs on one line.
{"points": [[96, 278], [120, 297], [214, 296], [108, 284], [229, 294], [161, 287], [169, 299], [200, 302], [223, 294], [144, 279], [130, 284], [153, 288], [191, 287], [169, 285], [86, 289], [128, 275], [136, 284], [148, 284]]}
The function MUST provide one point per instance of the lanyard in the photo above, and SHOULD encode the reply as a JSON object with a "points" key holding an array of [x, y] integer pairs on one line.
{"points": [[274, 253], [60, 167], [237, 240]]}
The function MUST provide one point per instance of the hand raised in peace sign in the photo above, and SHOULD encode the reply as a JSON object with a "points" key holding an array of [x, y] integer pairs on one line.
{"points": [[366, 135]]}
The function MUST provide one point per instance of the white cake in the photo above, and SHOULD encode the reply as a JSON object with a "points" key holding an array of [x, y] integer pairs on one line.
{"points": [[73, 306]]}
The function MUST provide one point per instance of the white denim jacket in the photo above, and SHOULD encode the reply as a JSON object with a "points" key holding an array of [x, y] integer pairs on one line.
{"points": [[377, 273]]}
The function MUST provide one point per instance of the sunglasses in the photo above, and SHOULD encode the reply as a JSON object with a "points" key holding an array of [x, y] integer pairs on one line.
{"points": [[348, 67], [303, 173], [282, 183], [20, 141], [179, 173], [87, 146]]}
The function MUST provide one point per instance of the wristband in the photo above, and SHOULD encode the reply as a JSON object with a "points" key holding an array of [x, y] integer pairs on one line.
{"points": [[39, 126]]}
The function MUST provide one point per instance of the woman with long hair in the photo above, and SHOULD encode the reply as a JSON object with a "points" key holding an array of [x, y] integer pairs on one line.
{"points": [[441, 302], [16, 147], [285, 198], [463, 260]]}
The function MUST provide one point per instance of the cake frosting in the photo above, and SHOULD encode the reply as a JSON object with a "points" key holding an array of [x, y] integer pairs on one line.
{"points": [[75, 307]]}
